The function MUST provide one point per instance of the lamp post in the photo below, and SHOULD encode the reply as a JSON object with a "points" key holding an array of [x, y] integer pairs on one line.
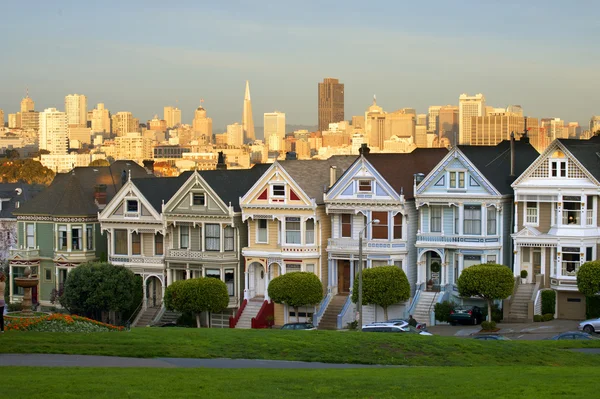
{"points": [[360, 271]]}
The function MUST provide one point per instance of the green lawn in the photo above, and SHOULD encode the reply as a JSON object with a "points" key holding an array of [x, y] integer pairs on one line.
{"points": [[323, 346], [443, 382]]}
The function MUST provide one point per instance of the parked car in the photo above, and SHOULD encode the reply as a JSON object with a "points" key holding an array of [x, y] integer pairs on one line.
{"points": [[420, 326], [397, 327], [590, 326], [571, 335], [298, 326], [491, 337], [466, 315]]}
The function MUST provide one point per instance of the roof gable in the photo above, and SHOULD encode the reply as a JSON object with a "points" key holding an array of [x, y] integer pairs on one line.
{"points": [[182, 202], [116, 208]]}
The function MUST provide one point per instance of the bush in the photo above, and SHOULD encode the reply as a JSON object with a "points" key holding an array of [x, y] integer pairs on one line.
{"points": [[197, 295], [353, 325], [186, 319], [296, 290], [537, 318], [592, 307], [523, 273], [487, 281], [547, 317], [548, 301], [488, 325], [588, 278], [383, 286], [442, 311]]}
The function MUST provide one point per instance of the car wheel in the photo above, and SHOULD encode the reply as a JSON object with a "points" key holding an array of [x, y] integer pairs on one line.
{"points": [[588, 329]]}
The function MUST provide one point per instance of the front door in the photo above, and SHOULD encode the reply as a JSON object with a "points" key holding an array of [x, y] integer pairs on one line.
{"points": [[536, 262], [259, 280], [343, 276]]}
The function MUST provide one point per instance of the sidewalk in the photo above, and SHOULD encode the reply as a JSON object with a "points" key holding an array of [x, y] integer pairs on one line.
{"points": [[513, 330]]}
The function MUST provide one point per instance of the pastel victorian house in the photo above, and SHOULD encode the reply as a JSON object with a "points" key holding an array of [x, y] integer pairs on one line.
{"points": [[376, 187], [288, 229], [59, 229], [465, 216], [557, 222]]}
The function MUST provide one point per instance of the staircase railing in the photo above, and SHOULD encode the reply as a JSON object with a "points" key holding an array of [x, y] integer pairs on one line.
{"points": [[340, 316], [234, 319], [507, 303], [415, 300], [321, 309], [531, 302], [159, 313], [134, 316], [267, 310]]}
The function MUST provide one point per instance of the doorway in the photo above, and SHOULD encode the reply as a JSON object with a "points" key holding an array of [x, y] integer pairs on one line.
{"points": [[259, 279], [153, 292], [343, 276]]}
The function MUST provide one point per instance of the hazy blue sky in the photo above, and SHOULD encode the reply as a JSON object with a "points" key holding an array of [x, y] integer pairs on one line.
{"points": [[143, 55]]}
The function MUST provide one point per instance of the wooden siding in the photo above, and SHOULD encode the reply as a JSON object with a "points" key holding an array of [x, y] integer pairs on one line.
{"points": [[520, 215], [147, 244], [545, 216]]}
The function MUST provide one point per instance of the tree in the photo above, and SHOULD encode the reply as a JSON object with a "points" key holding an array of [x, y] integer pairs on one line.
{"points": [[197, 295], [27, 171], [296, 290], [99, 162], [96, 287], [487, 281], [383, 286], [588, 278]]}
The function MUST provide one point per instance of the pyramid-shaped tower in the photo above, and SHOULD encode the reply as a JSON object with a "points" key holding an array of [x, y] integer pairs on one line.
{"points": [[247, 121]]}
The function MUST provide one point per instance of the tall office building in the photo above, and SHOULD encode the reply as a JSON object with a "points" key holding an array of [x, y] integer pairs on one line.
{"points": [[331, 102], [468, 107], [493, 128], [422, 120], [53, 131], [432, 118], [375, 125], [235, 135], [447, 126], [123, 123], [399, 124], [27, 103], [101, 120], [247, 120], [76, 110], [1, 118], [594, 124], [29, 120], [12, 121], [274, 125], [172, 115], [202, 125]]}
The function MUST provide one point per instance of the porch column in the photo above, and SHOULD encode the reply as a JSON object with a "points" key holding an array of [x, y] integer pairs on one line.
{"points": [[203, 241], [164, 287], [543, 261], [352, 273], [461, 218], [129, 232], [516, 226], [267, 284], [461, 264], [221, 237], [145, 295], [246, 285], [517, 261], [559, 212], [187, 271], [484, 219]]}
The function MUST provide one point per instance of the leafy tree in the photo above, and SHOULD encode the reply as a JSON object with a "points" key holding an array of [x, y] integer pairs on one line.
{"points": [[96, 287], [27, 171], [486, 281], [296, 290], [383, 286], [588, 278], [99, 162], [197, 295]]}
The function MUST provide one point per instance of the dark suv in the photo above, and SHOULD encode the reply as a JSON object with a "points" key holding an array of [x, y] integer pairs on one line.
{"points": [[466, 315], [298, 326]]}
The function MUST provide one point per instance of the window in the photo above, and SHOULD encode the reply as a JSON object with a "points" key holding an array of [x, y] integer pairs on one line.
{"points": [[230, 281], [293, 267], [590, 210], [346, 225], [531, 214], [491, 221], [262, 234], [380, 231], [310, 268], [491, 259], [212, 237], [198, 199], [132, 205], [365, 186], [589, 254], [89, 237], [278, 190], [48, 274], [378, 263], [292, 231], [472, 223], [136, 244], [558, 168], [229, 244], [158, 244], [457, 179], [120, 240], [471, 260], [526, 255], [62, 237], [76, 238], [398, 226], [571, 209], [310, 232], [436, 219], [456, 224], [213, 273], [30, 229], [571, 259], [184, 237]]}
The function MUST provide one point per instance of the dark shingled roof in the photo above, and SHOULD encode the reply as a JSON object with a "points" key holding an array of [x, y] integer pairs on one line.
{"points": [[494, 162], [313, 175], [399, 169], [587, 152], [16, 193], [72, 194], [159, 189]]}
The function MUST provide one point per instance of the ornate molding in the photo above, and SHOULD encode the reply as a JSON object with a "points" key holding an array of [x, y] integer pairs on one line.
{"points": [[74, 219]]}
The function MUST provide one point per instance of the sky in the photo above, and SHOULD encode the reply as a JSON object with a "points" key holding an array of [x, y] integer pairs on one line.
{"points": [[142, 55]]}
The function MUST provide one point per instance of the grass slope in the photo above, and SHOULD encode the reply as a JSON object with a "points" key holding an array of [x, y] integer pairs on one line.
{"points": [[323, 346], [445, 382]]}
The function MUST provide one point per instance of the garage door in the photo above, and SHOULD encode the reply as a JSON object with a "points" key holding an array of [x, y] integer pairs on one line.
{"points": [[571, 305], [221, 319]]}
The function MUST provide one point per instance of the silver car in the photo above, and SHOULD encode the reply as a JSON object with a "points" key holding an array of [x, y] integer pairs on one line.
{"points": [[590, 326]]}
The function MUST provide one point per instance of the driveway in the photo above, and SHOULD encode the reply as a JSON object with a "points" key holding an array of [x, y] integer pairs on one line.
{"points": [[527, 331]]}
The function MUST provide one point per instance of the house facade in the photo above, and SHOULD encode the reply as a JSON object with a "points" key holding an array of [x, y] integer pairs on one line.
{"points": [[557, 222]]}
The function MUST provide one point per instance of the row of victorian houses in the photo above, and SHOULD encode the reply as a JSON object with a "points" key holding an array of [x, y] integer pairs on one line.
{"points": [[439, 211]]}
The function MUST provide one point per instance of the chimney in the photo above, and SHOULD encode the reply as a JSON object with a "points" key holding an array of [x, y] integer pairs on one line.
{"points": [[100, 195], [332, 175], [512, 154], [149, 166], [364, 149], [221, 165]]}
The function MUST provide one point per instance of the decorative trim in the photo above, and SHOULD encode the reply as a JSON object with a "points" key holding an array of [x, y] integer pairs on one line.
{"points": [[74, 219]]}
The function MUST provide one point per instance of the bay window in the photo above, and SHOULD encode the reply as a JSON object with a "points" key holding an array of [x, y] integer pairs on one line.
{"points": [[532, 213], [491, 221], [184, 237], [120, 242], [457, 179], [230, 281], [212, 239], [136, 244], [292, 230], [89, 237], [472, 219], [158, 244], [76, 238], [262, 233], [30, 232], [571, 259], [571, 210], [398, 226], [62, 237]]}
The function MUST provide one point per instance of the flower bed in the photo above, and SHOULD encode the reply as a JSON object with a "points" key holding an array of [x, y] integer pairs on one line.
{"points": [[57, 322]]}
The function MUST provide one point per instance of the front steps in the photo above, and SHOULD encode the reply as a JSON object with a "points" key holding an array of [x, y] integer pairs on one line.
{"points": [[421, 312], [251, 310], [329, 319], [519, 304], [147, 316]]}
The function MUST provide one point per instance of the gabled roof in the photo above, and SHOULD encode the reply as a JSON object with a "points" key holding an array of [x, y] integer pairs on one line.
{"points": [[587, 153], [72, 194], [159, 189], [399, 169], [12, 194], [313, 175], [494, 161]]}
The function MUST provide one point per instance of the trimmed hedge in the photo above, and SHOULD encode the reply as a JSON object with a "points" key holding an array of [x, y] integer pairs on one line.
{"points": [[588, 278], [197, 295], [592, 307], [548, 301], [442, 311], [547, 317], [296, 289], [383, 286], [488, 325]]}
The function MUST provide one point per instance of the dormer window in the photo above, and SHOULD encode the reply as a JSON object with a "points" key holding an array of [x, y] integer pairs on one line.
{"points": [[365, 186], [558, 168], [457, 179], [132, 206], [198, 199], [278, 190]]}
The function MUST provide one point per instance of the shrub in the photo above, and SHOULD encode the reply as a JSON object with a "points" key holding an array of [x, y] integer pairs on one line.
{"points": [[524, 273], [186, 319], [197, 295], [547, 317], [537, 318], [353, 325], [588, 278], [296, 290], [592, 307], [548, 301], [487, 281], [488, 325], [383, 286], [442, 311]]}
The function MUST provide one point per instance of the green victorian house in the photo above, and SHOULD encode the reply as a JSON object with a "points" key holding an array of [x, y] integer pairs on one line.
{"points": [[59, 229]]}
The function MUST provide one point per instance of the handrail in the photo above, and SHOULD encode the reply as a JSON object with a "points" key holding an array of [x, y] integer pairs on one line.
{"points": [[233, 320], [260, 321], [134, 315], [159, 313], [322, 306], [415, 300], [340, 316]]}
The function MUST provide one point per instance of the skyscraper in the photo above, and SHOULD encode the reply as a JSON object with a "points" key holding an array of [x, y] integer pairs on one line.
{"points": [[447, 125], [495, 127], [27, 103], [53, 131], [172, 115], [247, 121], [100, 119], [123, 123], [274, 125], [235, 135], [468, 106], [432, 118], [202, 125], [76, 110], [1, 118], [594, 124], [331, 102]]}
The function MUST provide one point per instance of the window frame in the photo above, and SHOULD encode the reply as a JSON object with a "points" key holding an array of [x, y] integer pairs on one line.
{"points": [[157, 244], [228, 240], [293, 233], [229, 283], [259, 229], [201, 196], [273, 189], [89, 237], [558, 168], [183, 228], [364, 185], [473, 223], [348, 225], [210, 237], [307, 231], [457, 179], [528, 219], [63, 229], [130, 201], [437, 208], [491, 210], [79, 238], [116, 242], [382, 227], [136, 244], [28, 236], [398, 227]]}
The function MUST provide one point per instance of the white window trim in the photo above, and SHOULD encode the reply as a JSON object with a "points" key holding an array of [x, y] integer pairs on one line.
{"points": [[342, 226], [558, 162], [284, 239], [154, 244], [314, 230], [34, 235], [431, 219], [127, 214], [189, 238], [537, 217], [272, 185], [192, 199], [256, 239], [457, 171], [371, 181]]}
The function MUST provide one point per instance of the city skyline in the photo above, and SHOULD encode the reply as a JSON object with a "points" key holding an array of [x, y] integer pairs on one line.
{"points": [[492, 49]]}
